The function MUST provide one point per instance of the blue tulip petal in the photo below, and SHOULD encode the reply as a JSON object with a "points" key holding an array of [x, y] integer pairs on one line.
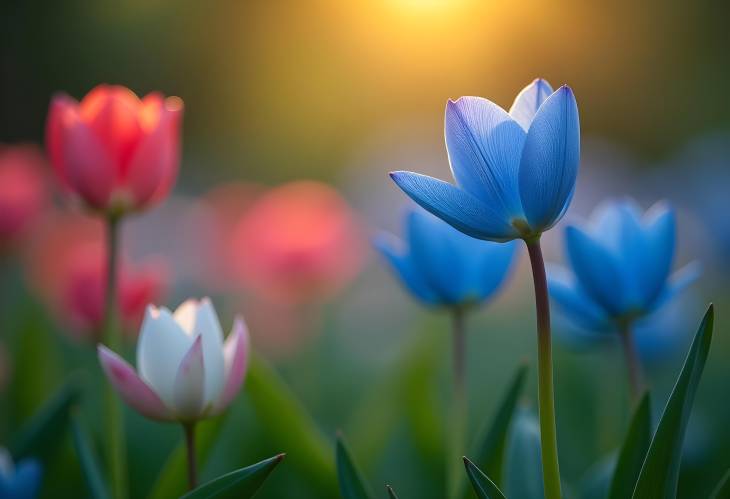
{"points": [[484, 145], [596, 270], [404, 268], [528, 101], [659, 250], [24, 483], [455, 206], [678, 282], [549, 163], [573, 301], [496, 262]]}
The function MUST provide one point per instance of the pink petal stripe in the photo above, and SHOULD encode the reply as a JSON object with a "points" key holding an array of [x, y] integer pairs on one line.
{"points": [[235, 354], [133, 390]]}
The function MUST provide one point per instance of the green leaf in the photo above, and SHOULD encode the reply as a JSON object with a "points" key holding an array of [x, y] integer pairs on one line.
{"points": [[287, 424], [491, 453], [239, 484], [391, 492], [88, 461], [173, 476], [42, 434], [352, 485], [660, 472], [633, 452], [483, 486], [524, 464], [722, 490], [597, 480]]}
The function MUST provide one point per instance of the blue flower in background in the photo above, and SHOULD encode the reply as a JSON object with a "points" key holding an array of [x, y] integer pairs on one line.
{"points": [[443, 267], [515, 171], [621, 265], [21, 481]]}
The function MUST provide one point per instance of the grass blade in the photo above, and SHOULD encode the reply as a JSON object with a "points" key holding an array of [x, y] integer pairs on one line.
{"points": [[633, 452], [98, 489], [352, 485], [483, 486], [239, 484]]}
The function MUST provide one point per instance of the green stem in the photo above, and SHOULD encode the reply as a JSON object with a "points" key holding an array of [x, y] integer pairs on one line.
{"points": [[459, 410], [189, 430], [633, 365], [116, 448], [546, 396]]}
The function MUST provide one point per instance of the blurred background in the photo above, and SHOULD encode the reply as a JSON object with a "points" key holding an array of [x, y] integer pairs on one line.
{"points": [[294, 114]]}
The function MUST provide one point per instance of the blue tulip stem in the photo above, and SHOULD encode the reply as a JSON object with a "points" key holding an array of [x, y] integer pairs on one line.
{"points": [[633, 366], [189, 430], [459, 410], [546, 392], [116, 448]]}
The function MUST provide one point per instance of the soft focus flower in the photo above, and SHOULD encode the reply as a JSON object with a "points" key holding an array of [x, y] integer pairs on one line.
{"points": [[115, 151], [23, 191], [66, 265], [515, 172], [297, 243], [185, 371], [21, 480], [621, 265], [443, 267]]}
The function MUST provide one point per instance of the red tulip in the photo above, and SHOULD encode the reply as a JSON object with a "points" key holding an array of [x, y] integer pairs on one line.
{"points": [[22, 189], [115, 151], [66, 266], [297, 243]]}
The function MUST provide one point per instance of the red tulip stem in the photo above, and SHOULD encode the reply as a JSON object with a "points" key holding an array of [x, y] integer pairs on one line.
{"points": [[632, 362], [116, 449], [189, 430], [459, 409], [546, 391]]}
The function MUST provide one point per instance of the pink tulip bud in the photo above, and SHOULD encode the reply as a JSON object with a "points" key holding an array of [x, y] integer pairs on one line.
{"points": [[23, 190], [116, 152], [185, 370]]}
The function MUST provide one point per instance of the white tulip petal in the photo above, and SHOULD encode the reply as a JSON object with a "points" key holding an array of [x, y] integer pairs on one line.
{"points": [[200, 318], [161, 347], [189, 388]]}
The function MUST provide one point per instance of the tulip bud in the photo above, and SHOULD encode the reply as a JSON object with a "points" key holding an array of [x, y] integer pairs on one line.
{"points": [[185, 371], [117, 152]]}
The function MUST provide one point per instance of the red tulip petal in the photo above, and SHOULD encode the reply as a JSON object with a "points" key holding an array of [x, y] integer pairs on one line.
{"points": [[89, 169], [61, 105], [133, 390]]}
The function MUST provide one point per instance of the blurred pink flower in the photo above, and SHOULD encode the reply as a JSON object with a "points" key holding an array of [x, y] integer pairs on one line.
{"points": [[66, 267], [23, 190], [116, 152], [297, 243]]}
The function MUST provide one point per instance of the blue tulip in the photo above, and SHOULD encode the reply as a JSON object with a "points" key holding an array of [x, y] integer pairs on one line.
{"points": [[19, 481], [515, 171], [443, 267], [621, 265]]}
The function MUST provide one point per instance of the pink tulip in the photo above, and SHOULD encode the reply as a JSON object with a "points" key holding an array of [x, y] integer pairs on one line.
{"points": [[23, 190], [297, 243], [113, 150], [66, 266], [185, 371]]}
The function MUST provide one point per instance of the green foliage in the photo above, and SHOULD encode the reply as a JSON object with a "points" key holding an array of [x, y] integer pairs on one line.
{"points": [[524, 464], [391, 492], [722, 489], [483, 486], [45, 431], [239, 484], [633, 452], [352, 485], [491, 452], [98, 489], [660, 471]]}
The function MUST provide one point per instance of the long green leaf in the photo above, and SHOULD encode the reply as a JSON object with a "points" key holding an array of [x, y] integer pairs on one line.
{"points": [[722, 489], [597, 480], [660, 472], [173, 477], [491, 452], [239, 484], [391, 492], [42, 434], [288, 425], [524, 464], [88, 460], [352, 485], [633, 452], [483, 486]]}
